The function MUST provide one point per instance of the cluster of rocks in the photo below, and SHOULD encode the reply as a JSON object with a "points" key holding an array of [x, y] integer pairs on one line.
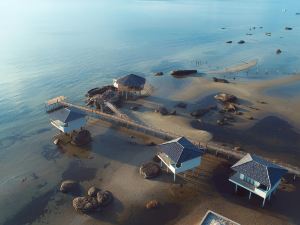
{"points": [[150, 170], [80, 138], [95, 200], [159, 74]]}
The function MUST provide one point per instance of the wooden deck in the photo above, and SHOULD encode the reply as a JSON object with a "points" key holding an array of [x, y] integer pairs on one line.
{"points": [[211, 147]]}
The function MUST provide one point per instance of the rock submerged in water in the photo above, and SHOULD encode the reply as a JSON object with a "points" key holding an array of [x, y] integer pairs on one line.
{"points": [[220, 80], [278, 51], [68, 186], [228, 42], [85, 204], [159, 74], [241, 42], [182, 105], [104, 198], [200, 112], [162, 110], [150, 170], [288, 28], [92, 192], [183, 72]]}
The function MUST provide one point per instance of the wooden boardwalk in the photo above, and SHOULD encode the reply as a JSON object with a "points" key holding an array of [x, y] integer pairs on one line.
{"points": [[211, 147]]}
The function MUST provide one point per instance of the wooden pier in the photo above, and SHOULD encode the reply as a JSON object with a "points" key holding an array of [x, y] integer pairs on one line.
{"points": [[211, 147]]}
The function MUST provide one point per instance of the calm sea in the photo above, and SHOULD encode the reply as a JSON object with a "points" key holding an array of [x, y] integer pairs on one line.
{"points": [[63, 47]]}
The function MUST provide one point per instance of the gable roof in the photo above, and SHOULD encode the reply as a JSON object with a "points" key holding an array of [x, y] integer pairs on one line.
{"points": [[180, 150], [132, 81], [66, 115], [259, 169]]}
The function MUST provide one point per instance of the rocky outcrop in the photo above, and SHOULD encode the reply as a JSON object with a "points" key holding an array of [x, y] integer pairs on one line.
{"points": [[68, 186], [153, 204], [104, 198], [85, 204], [241, 42], [92, 192], [183, 72], [278, 51], [80, 138], [223, 97], [96, 91], [150, 170], [200, 112], [229, 107], [215, 79], [228, 42]]}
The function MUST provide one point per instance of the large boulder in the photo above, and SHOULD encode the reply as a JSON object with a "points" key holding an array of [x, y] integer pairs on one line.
{"points": [[85, 204], [92, 192], [82, 137], [223, 97], [68, 186], [104, 198], [229, 107], [150, 170]]}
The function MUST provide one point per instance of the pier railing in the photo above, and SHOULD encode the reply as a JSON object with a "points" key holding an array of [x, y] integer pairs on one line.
{"points": [[210, 146]]}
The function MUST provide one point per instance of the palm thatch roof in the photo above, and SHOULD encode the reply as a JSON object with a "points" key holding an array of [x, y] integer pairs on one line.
{"points": [[132, 81]]}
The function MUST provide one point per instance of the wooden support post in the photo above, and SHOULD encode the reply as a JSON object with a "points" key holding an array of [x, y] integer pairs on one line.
{"points": [[269, 197], [161, 163], [294, 178], [263, 204], [236, 188], [174, 177], [250, 195]]}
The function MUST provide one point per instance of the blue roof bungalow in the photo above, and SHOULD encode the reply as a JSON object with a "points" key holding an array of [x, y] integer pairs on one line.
{"points": [[67, 120], [180, 155], [257, 175]]}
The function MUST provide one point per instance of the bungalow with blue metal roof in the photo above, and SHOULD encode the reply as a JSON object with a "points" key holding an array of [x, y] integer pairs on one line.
{"points": [[67, 120], [180, 155], [257, 175]]}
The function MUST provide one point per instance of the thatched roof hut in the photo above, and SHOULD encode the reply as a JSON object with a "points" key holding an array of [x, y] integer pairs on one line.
{"points": [[130, 82]]}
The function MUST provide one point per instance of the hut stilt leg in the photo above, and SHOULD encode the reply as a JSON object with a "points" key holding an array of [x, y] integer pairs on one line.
{"points": [[263, 204], [250, 195]]}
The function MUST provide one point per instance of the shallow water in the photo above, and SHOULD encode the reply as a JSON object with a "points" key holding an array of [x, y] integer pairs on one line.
{"points": [[52, 48]]}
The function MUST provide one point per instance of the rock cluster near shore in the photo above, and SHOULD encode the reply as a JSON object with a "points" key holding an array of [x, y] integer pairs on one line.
{"points": [[150, 170]]}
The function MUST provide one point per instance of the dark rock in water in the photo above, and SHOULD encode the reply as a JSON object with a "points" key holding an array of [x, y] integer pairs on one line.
{"points": [[297, 14], [151, 144], [92, 192], [278, 51], [215, 79], [241, 42], [150, 170], [268, 33], [159, 74], [163, 110], [288, 28], [249, 34], [200, 112], [104, 198], [85, 204], [153, 204], [228, 42], [181, 105], [223, 97], [82, 137], [68, 186], [183, 72]]}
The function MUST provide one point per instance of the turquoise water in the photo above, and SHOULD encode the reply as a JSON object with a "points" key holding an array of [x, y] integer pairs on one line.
{"points": [[50, 48]]}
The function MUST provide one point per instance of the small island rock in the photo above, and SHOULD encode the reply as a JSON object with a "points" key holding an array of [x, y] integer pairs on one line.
{"points": [[68, 186]]}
